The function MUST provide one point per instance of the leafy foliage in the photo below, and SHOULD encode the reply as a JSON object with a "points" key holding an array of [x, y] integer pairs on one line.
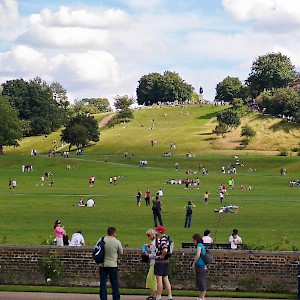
{"points": [[43, 107], [80, 130], [52, 268], [270, 71], [248, 131], [154, 88], [229, 117], [91, 106], [10, 126], [281, 102], [230, 88]]}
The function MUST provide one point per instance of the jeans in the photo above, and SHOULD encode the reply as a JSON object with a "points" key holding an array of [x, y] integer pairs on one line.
{"points": [[114, 281], [188, 220]]}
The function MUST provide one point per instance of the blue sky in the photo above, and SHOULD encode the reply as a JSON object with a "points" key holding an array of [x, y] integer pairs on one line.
{"points": [[102, 48]]}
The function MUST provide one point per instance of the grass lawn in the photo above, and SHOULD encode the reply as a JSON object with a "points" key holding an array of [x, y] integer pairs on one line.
{"points": [[269, 212]]}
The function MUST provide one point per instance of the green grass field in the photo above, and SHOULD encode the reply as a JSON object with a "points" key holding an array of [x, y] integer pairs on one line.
{"points": [[269, 212]]}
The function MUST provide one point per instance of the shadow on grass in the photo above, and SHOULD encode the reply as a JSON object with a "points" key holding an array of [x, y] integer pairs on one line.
{"points": [[207, 116], [285, 126]]}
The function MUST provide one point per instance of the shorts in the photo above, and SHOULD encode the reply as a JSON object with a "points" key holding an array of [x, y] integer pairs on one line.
{"points": [[151, 282], [161, 269], [201, 278]]}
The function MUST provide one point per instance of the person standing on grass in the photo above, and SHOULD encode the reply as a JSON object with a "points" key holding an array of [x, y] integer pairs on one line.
{"points": [[14, 184], [206, 195], [147, 197], [188, 213], [9, 183], [109, 268], [199, 265], [161, 267], [138, 198], [156, 210]]}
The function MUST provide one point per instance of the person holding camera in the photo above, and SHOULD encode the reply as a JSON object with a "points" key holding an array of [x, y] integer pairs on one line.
{"points": [[59, 233], [234, 239]]}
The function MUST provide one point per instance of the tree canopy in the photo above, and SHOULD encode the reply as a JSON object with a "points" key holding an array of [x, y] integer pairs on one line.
{"points": [[229, 88], [154, 88], [10, 125], [41, 107], [91, 105], [270, 71], [80, 130]]}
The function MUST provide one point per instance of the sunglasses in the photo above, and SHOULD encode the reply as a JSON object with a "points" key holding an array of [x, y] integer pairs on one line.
{"points": [[148, 234]]}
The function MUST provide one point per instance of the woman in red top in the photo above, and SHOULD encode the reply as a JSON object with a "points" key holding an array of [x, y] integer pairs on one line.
{"points": [[147, 197]]}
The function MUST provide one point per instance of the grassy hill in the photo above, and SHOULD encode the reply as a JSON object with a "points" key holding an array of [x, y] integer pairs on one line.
{"points": [[269, 212]]}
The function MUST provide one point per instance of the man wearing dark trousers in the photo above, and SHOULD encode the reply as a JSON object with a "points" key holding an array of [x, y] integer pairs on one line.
{"points": [[109, 268], [156, 209]]}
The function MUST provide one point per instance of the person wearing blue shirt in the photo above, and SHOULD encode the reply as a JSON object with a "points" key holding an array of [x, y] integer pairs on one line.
{"points": [[199, 266]]}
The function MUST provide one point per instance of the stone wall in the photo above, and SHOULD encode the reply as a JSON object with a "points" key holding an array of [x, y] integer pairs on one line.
{"points": [[230, 271]]}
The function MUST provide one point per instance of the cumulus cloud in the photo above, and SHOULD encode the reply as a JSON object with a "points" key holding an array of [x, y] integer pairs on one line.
{"points": [[279, 15], [8, 13]]}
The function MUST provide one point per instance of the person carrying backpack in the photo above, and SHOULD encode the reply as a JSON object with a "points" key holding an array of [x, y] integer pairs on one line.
{"points": [[156, 209], [189, 213], [161, 267], [200, 266]]}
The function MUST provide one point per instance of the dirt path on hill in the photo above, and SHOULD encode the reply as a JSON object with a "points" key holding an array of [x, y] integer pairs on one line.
{"points": [[105, 120]]}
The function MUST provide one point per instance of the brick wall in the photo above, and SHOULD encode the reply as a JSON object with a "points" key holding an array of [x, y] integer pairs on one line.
{"points": [[231, 270]]}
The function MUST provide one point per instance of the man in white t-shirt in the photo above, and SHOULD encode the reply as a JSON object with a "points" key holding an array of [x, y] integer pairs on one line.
{"points": [[77, 239], [234, 239], [90, 202], [206, 237]]}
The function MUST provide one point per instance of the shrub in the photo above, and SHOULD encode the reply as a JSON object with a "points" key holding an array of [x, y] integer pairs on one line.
{"points": [[52, 268], [249, 283]]}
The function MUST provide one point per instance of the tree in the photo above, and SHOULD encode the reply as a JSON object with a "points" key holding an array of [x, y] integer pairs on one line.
{"points": [[154, 88], [229, 117], [122, 104], [248, 131], [80, 130], [10, 125], [35, 103], [270, 71], [229, 88], [281, 102], [102, 104]]}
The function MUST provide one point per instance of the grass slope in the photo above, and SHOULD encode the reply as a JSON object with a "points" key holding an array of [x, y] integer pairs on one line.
{"points": [[269, 212]]}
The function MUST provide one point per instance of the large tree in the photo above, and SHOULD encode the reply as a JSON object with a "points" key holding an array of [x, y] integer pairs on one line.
{"points": [[41, 107], [80, 130], [229, 88], [10, 125], [270, 71], [154, 88]]}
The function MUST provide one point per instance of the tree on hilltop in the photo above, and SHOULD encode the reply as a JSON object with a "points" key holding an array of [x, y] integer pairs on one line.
{"points": [[154, 88], [10, 125], [270, 71], [229, 89]]}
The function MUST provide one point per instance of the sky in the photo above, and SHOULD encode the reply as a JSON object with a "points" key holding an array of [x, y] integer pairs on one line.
{"points": [[101, 48]]}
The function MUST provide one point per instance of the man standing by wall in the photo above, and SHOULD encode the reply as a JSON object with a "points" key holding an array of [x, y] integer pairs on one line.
{"points": [[109, 268], [161, 267]]}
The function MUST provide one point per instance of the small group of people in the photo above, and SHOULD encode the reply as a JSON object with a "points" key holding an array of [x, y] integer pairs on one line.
{"points": [[113, 180], [89, 203], [27, 168], [12, 184], [188, 182], [62, 239], [294, 183]]}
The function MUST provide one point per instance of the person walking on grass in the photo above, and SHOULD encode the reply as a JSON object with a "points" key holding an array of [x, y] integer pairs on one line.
{"points": [[109, 268], [156, 210]]}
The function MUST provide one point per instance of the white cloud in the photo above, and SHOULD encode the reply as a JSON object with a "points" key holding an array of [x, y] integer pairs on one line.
{"points": [[8, 13], [269, 14]]}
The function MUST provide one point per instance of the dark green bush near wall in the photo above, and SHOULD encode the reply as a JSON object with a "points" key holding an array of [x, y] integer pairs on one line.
{"points": [[52, 267], [249, 283]]}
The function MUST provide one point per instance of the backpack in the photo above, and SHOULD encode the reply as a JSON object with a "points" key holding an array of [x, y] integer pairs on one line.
{"points": [[207, 257], [170, 246], [156, 205], [99, 251], [189, 210]]}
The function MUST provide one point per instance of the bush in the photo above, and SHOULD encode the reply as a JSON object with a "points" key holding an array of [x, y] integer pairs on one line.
{"points": [[249, 283], [52, 268], [283, 152], [248, 131]]}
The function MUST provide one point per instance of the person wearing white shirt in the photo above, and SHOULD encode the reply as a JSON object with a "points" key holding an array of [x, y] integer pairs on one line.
{"points": [[90, 202], [234, 239], [206, 237], [77, 239]]}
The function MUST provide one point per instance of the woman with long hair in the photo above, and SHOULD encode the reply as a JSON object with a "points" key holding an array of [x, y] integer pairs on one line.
{"points": [[59, 233]]}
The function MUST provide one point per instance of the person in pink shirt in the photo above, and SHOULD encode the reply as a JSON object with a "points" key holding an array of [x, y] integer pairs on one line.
{"points": [[59, 232]]}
